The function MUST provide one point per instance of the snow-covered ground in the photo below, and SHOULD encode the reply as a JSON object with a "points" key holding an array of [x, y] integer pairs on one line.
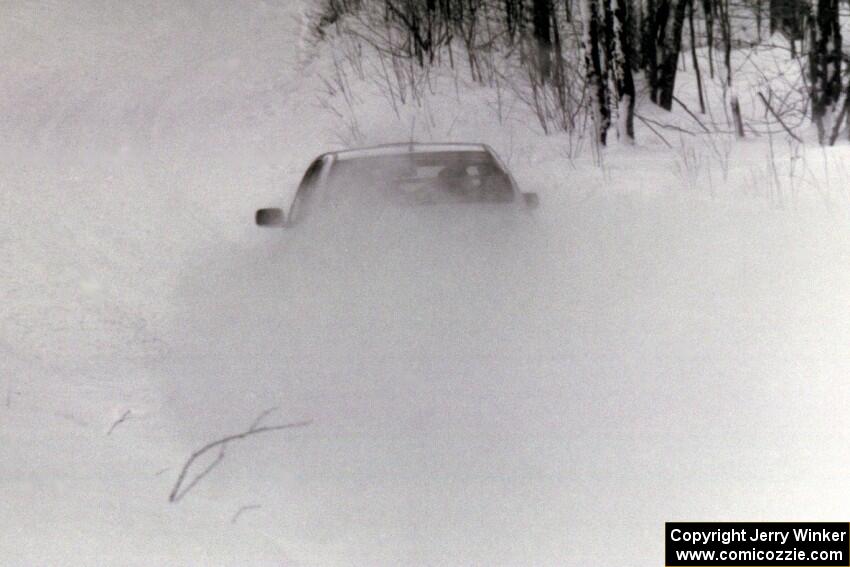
{"points": [[664, 339]]}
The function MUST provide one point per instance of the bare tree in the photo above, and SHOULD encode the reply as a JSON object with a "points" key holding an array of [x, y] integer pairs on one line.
{"points": [[594, 52], [621, 54], [694, 56], [708, 14], [565, 68], [824, 64], [662, 43], [786, 17], [543, 37], [726, 33]]}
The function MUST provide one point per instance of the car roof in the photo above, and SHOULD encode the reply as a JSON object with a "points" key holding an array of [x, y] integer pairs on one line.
{"points": [[407, 148]]}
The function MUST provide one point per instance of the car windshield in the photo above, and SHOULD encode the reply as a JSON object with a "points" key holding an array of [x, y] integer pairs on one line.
{"points": [[423, 178]]}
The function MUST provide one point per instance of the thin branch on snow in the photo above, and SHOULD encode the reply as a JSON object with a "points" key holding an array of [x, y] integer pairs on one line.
{"points": [[119, 421], [775, 115], [179, 491], [669, 126], [261, 417], [692, 115], [654, 131], [836, 129], [239, 512], [175, 496]]}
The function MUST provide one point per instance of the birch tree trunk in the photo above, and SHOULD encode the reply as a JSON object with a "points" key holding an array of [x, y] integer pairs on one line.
{"points": [[621, 56], [595, 67]]}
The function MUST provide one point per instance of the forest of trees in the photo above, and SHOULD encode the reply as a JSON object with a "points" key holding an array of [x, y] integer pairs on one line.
{"points": [[587, 55]]}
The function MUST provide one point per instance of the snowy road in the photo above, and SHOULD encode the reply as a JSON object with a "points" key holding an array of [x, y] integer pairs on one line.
{"points": [[620, 359], [512, 410]]}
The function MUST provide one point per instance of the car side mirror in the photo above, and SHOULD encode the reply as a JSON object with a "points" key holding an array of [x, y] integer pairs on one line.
{"points": [[531, 200], [270, 217]]}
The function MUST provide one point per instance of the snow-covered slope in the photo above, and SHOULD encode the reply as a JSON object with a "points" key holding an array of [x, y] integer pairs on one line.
{"points": [[637, 351], [120, 124]]}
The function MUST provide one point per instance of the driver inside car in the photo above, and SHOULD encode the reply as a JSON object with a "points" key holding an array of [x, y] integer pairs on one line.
{"points": [[456, 179]]}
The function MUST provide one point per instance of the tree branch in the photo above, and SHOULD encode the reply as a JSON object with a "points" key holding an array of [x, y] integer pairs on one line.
{"points": [[119, 421], [775, 115], [239, 512], [177, 493]]}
